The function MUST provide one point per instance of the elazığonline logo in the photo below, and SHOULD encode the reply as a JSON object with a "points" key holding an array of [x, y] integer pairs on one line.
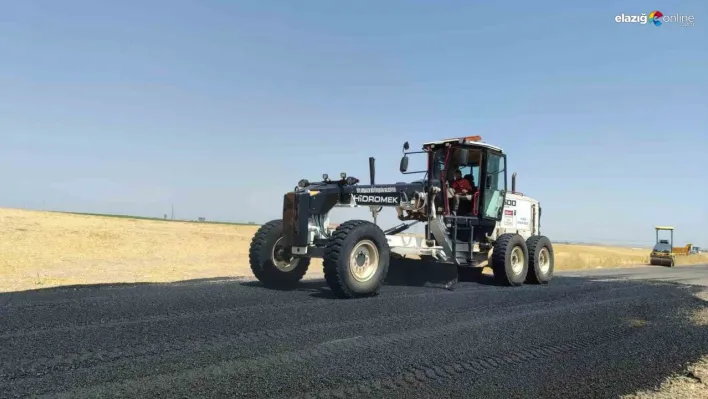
{"points": [[656, 17]]}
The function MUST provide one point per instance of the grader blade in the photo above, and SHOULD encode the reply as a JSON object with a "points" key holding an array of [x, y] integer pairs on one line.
{"points": [[421, 273]]}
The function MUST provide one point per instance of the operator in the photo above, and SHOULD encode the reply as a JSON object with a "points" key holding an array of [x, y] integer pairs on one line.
{"points": [[460, 188]]}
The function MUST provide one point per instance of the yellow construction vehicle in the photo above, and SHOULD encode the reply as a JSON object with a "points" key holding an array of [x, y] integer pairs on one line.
{"points": [[663, 252], [686, 250]]}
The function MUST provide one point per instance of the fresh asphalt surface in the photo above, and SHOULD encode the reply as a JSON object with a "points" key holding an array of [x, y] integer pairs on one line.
{"points": [[599, 333]]}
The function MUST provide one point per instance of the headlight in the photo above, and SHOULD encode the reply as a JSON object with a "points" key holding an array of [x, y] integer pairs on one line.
{"points": [[343, 175], [325, 176], [303, 183]]}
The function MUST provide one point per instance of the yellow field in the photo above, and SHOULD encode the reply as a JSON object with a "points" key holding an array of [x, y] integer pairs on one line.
{"points": [[43, 249]]}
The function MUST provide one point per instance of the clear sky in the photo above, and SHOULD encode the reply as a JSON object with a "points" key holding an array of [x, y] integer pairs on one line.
{"points": [[220, 107]]}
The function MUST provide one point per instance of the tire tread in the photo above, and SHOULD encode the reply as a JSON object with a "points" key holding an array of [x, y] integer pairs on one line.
{"points": [[333, 255], [532, 244], [268, 275], [499, 258]]}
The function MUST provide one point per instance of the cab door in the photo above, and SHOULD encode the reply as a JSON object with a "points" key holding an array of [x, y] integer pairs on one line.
{"points": [[493, 185]]}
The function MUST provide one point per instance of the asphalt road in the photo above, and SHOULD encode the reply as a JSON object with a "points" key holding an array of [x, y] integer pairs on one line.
{"points": [[590, 334]]}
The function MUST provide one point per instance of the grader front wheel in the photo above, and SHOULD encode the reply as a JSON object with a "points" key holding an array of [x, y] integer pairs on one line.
{"points": [[270, 262], [356, 259]]}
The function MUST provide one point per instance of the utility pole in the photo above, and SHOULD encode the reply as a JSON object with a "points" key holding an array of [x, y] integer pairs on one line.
{"points": [[173, 212]]}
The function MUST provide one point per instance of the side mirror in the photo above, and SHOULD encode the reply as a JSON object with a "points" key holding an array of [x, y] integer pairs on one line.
{"points": [[406, 146], [462, 156], [404, 164]]}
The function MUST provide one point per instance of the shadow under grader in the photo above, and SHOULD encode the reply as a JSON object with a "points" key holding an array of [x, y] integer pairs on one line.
{"points": [[402, 272], [422, 273], [318, 288]]}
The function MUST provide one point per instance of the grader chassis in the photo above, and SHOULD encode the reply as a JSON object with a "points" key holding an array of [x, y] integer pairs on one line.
{"points": [[493, 227]]}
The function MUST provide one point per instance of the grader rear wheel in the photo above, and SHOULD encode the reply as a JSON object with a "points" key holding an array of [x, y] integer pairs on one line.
{"points": [[541, 260], [510, 260]]}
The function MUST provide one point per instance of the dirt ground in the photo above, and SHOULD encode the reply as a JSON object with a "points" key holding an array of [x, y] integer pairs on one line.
{"points": [[43, 249]]}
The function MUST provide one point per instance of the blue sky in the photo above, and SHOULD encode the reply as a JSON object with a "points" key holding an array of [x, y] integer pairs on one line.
{"points": [[220, 107]]}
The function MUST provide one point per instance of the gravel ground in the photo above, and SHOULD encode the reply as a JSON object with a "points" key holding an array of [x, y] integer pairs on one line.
{"points": [[588, 334]]}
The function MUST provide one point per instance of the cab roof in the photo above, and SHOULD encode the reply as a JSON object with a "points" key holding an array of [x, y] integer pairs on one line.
{"points": [[469, 140]]}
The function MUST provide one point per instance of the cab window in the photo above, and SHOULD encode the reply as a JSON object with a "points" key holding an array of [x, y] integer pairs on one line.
{"points": [[470, 170]]}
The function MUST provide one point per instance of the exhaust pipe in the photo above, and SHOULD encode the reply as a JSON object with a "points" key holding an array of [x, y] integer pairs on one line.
{"points": [[372, 179], [372, 170], [513, 182]]}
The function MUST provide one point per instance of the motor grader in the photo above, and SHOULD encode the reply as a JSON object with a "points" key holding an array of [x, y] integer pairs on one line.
{"points": [[486, 226]]}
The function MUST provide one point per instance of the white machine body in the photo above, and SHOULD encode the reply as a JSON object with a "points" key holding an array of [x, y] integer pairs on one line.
{"points": [[521, 215]]}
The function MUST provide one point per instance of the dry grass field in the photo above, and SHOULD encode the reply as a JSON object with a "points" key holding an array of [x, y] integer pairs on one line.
{"points": [[45, 249]]}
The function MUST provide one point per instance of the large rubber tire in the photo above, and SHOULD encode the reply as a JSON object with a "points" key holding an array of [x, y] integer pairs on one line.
{"points": [[541, 260], [510, 260], [263, 258], [356, 237]]}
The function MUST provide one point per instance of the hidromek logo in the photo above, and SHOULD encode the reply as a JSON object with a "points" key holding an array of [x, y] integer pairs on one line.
{"points": [[376, 199]]}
